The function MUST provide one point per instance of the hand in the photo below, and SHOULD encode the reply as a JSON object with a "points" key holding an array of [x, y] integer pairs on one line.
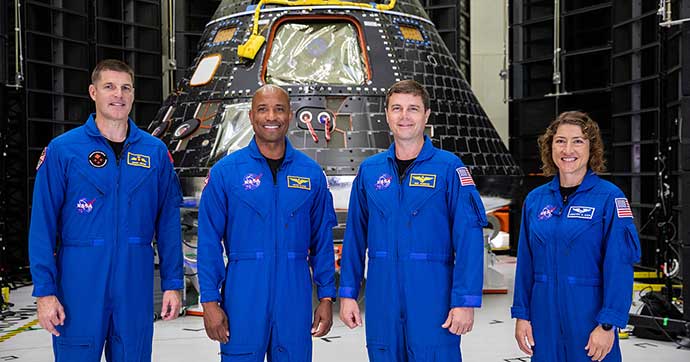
{"points": [[216, 322], [170, 308], [523, 336], [460, 320], [600, 343], [349, 313], [50, 313], [323, 318]]}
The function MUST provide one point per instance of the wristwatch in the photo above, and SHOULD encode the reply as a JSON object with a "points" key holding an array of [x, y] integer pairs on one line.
{"points": [[606, 327]]}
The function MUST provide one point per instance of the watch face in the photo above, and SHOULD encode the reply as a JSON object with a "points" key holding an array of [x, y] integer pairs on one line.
{"points": [[606, 327]]}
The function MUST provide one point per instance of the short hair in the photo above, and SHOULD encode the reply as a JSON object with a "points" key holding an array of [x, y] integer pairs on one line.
{"points": [[113, 65], [590, 130], [409, 86]]}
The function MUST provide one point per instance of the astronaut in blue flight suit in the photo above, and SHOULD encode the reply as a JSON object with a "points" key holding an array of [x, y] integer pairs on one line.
{"points": [[578, 243], [269, 208], [103, 191], [416, 210]]}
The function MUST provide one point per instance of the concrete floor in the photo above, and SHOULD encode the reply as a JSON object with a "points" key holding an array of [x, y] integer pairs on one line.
{"points": [[185, 340]]}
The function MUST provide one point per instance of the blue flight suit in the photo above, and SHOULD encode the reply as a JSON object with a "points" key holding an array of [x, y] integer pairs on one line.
{"points": [[574, 267], [425, 249], [100, 216], [271, 234]]}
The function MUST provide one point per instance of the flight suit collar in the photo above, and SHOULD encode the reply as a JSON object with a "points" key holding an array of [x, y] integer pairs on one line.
{"points": [[92, 129], [588, 182], [256, 154], [426, 152]]}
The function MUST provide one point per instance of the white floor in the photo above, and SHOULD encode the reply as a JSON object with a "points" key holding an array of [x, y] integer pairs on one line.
{"points": [[185, 340]]}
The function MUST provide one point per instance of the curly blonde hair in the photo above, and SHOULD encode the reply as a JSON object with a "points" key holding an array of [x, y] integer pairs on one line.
{"points": [[590, 130]]}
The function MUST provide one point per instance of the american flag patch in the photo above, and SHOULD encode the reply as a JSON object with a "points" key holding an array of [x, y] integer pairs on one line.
{"points": [[465, 177], [208, 177], [623, 208], [42, 158]]}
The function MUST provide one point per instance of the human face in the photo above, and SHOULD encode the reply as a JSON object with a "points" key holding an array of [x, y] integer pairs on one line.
{"points": [[570, 153], [406, 117], [270, 116], [113, 94]]}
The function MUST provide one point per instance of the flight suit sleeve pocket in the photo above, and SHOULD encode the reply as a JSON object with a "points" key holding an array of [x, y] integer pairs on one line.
{"points": [[478, 208], [632, 244]]}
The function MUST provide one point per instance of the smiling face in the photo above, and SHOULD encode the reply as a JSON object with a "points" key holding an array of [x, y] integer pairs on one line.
{"points": [[570, 152], [406, 116], [270, 115], [113, 93]]}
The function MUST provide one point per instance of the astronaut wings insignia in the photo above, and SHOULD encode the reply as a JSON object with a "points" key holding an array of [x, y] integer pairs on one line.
{"points": [[137, 160], [297, 182], [581, 212], [422, 180]]}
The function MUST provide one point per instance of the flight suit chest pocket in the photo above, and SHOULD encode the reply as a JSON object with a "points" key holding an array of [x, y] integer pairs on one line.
{"points": [[85, 210], [141, 186], [298, 202], [297, 216], [258, 200], [381, 205], [582, 233]]}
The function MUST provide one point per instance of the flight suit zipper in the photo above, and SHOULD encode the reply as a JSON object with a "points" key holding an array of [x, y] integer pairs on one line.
{"points": [[398, 263], [274, 263], [558, 247]]}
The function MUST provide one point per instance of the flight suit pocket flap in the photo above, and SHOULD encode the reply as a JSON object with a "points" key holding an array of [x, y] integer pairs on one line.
{"points": [[141, 178], [254, 203], [419, 203], [379, 352], [102, 187], [381, 205], [237, 350], [299, 203], [82, 242], [74, 342], [573, 236]]}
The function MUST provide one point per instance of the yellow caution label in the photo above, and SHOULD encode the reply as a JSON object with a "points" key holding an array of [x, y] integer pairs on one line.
{"points": [[646, 275], [654, 287]]}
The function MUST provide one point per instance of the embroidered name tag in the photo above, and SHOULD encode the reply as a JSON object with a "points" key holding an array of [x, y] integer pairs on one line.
{"points": [[581, 212], [422, 180], [138, 160], [296, 182]]}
